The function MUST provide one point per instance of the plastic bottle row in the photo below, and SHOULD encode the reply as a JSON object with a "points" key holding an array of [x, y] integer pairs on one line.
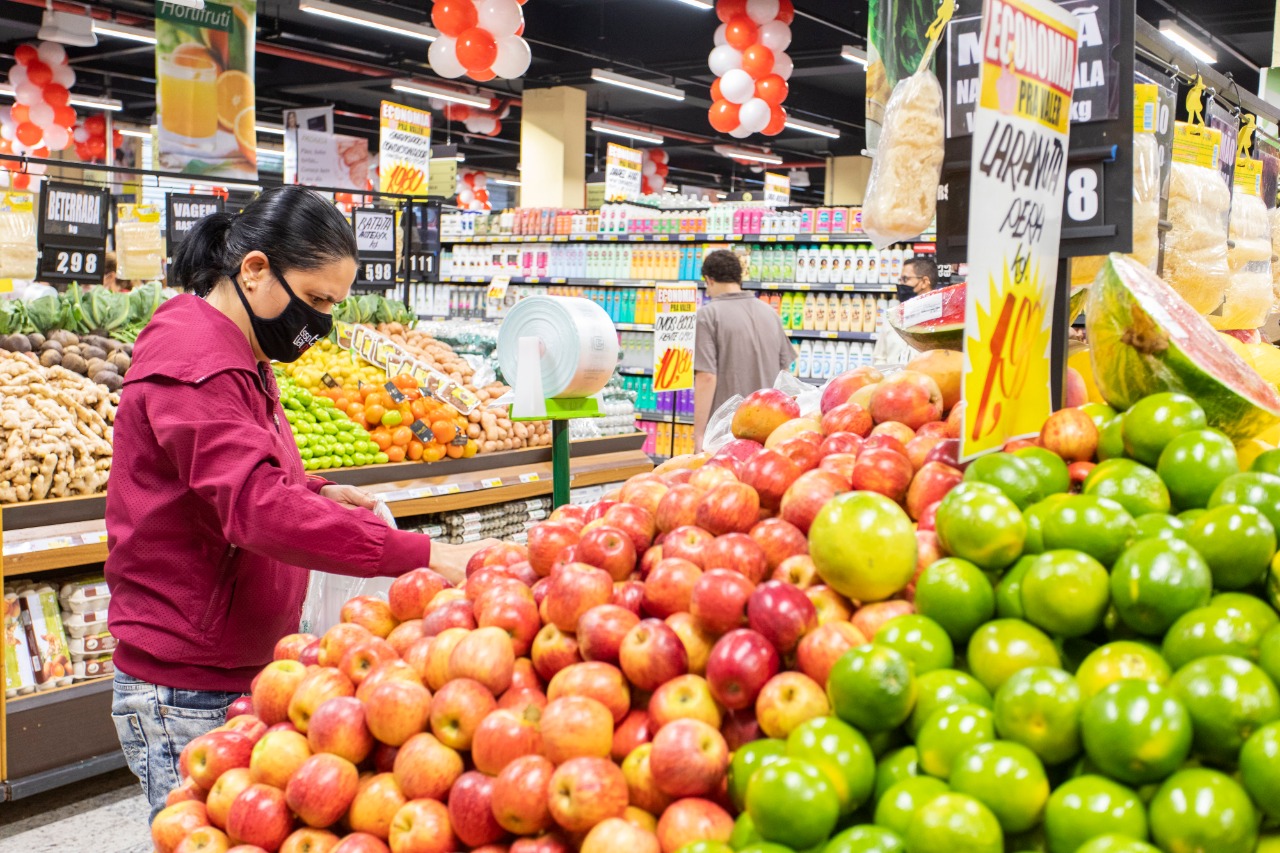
{"points": [[658, 404], [456, 301], [581, 260], [827, 264], [660, 441], [825, 359], [821, 312]]}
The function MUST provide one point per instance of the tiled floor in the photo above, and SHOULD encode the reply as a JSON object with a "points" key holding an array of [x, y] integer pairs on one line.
{"points": [[106, 814]]}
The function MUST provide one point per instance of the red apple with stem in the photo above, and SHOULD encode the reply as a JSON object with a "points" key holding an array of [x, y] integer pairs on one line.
{"points": [[686, 697], [610, 549], [585, 791], [471, 810], [689, 758], [602, 629], [652, 654], [457, 710], [502, 737], [425, 768], [686, 543], [553, 650], [740, 664], [719, 600], [422, 826]]}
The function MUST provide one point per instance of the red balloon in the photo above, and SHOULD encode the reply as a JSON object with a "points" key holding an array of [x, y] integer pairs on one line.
{"points": [[19, 113], [757, 61], [39, 74], [457, 112], [772, 89], [28, 133], [97, 146], [454, 17], [482, 76], [117, 139], [741, 32], [20, 182], [777, 121], [9, 165], [56, 95], [27, 53], [82, 151], [482, 195], [715, 91], [663, 170], [96, 125], [64, 116], [477, 50], [724, 116], [786, 11], [727, 9], [520, 31], [497, 130], [469, 179]]}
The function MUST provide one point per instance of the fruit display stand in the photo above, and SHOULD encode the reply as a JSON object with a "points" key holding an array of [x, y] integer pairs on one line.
{"points": [[65, 734]]}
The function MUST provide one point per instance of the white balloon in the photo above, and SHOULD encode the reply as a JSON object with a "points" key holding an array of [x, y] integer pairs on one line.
{"points": [[56, 137], [775, 35], [740, 132], [29, 94], [64, 75], [38, 168], [500, 17], [649, 169], [17, 75], [8, 132], [443, 56], [736, 86], [466, 196], [721, 36], [762, 11], [41, 114], [754, 115], [782, 65], [6, 117], [513, 57], [80, 134], [474, 124], [724, 58], [479, 205], [481, 180], [51, 53]]}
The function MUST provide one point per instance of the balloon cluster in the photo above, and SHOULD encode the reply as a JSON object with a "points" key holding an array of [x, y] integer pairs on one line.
{"points": [[41, 118], [751, 66], [479, 38], [477, 121], [472, 190], [91, 139], [654, 167]]}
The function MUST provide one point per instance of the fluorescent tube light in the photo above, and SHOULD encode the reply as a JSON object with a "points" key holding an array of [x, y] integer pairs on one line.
{"points": [[854, 54], [704, 5], [671, 189], [506, 182], [810, 127], [722, 195], [124, 31], [1171, 31], [136, 132], [627, 131], [108, 104], [637, 85], [369, 19], [735, 153], [429, 90], [274, 129]]}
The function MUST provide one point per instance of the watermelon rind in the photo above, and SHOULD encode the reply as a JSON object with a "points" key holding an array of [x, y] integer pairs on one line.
{"points": [[1144, 338], [942, 326]]}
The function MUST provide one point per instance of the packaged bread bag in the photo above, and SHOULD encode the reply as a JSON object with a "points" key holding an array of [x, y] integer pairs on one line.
{"points": [[1195, 249], [1248, 299]]}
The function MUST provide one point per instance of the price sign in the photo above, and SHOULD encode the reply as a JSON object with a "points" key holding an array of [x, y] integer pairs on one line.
{"points": [[622, 172], [674, 330], [73, 233], [777, 188], [376, 243], [184, 211], [498, 288], [421, 244]]}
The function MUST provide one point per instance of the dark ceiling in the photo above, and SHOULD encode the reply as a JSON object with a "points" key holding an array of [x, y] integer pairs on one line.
{"points": [[307, 60]]}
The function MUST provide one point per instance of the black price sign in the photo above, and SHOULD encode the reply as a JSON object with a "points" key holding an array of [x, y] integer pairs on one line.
{"points": [[182, 212], [376, 243], [73, 233], [422, 265], [421, 242]]}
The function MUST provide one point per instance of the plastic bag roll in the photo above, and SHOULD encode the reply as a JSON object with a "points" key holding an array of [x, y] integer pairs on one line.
{"points": [[579, 343]]}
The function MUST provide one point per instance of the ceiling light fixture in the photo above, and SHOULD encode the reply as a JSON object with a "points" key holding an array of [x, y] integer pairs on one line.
{"points": [[810, 127], [67, 28], [430, 90], [1174, 33], [600, 75], [854, 54], [369, 19], [108, 104], [626, 131], [672, 189], [704, 5], [124, 31], [274, 129], [506, 182], [722, 195], [447, 152], [735, 153], [136, 132]]}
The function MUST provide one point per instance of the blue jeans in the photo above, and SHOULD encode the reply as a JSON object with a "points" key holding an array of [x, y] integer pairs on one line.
{"points": [[154, 723]]}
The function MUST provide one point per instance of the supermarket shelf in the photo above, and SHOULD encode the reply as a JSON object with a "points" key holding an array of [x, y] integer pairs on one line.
{"points": [[39, 783], [572, 281], [54, 546], [819, 288], [635, 371], [658, 238], [633, 327], [653, 418], [58, 737], [442, 318], [832, 336], [42, 698]]}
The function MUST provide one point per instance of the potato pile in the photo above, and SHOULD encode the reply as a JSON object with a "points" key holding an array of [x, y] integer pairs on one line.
{"points": [[55, 431], [98, 358], [430, 351]]}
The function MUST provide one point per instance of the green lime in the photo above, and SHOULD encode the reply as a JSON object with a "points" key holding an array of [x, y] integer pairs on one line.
{"points": [[949, 732], [1113, 842], [1065, 593], [1002, 647], [1101, 413], [1111, 439], [954, 823], [1034, 517], [1135, 487], [896, 809], [1237, 542], [1088, 806], [1007, 778], [1154, 421], [944, 687], [1009, 590], [1120, 660], [705, 847], [978, 523], [1269, 653], [1199, 809], [747, 759], [1098, 526], [1212, 630], [1194, 463], [1253, 608], [1040, 709], [792, 802], [1228, 699], [1017, 478], [1136, 732], [840, 751], [897, 766], [744, 832], [866, 838], [955, 594], [920, 639], [872, 687], [1050, 469], [1260, 768], [1260, 491], [1157, 525], [1267, 462], [1155, 581]]}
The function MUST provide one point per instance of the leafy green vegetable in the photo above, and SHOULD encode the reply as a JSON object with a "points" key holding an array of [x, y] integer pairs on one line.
{"points": [[103, 311], [13, 316], [143, 302], [45, 313]]}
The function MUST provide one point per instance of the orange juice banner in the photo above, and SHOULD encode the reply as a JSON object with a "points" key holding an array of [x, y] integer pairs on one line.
{"points": [[377, 350], [404, 149], [673, 337], [1018, 170], [205, 90]]}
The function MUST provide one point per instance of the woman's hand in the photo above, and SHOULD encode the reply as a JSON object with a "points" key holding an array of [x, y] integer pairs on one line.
{"points": [[451, 560], [349, 496]]}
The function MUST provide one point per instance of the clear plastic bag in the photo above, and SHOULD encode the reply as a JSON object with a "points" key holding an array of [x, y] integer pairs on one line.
{"points": [[1248, 298], [1146, 214], [326, 593], [1195, 252], [17, 236], [902, 192], [719, 430], [1273, 216]]}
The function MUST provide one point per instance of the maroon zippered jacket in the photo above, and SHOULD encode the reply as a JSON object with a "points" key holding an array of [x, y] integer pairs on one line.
{"points": [[212, 521]]}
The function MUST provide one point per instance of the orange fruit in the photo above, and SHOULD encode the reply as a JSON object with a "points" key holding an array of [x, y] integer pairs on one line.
{"points": [[246, 133], [235, 95]]}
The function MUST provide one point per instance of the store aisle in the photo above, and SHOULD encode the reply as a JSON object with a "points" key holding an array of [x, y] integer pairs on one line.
{"points": [[109, 809]]}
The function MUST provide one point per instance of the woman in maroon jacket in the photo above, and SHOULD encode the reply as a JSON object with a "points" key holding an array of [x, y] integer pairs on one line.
{"points": [[212, 522]]}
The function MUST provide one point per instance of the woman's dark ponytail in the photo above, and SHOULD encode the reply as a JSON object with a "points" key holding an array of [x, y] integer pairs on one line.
{"points": [[293, 226]]}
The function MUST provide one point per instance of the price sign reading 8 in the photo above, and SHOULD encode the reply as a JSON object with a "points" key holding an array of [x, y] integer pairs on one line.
{"points": [[66, 264], [77, 262], [1082, 194]]}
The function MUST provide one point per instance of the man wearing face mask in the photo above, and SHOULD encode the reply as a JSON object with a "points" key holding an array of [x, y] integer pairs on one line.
{"points": [[212, 522], [919, 275]]}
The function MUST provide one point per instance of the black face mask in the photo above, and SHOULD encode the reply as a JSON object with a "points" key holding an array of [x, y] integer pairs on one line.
{"points": [[905, 292], [286, 336]]}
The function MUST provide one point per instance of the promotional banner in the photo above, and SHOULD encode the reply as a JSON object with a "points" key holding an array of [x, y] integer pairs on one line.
{"points": [[674, 327], [777, 188], [1028, 50], [332, 160], [311, 120], [204, 88], [404, 149], [623, 170]]}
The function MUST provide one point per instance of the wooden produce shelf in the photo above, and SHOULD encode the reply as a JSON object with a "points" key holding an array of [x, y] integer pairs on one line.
{"points": [[54, 546]]}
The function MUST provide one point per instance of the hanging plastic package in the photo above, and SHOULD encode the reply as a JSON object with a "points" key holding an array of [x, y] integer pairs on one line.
{"points": [[902, 191], [327, 593], [139, 247], [17, 236], [1248, 299], [1274, 216]]}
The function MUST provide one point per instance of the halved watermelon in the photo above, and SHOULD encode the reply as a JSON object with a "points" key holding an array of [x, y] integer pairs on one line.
{"points": [[1144, 338], [935, 320]]}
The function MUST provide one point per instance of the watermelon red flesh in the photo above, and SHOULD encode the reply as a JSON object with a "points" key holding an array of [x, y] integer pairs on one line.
{"points": [[936, 318], [1144, 338]]}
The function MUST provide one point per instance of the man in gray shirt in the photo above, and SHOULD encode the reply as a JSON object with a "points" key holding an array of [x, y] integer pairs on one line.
{"points": [[740, 346]]}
